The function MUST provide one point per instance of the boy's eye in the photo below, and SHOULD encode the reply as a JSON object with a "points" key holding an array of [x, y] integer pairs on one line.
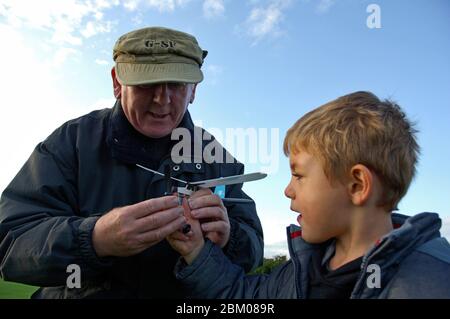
{"points": [[297, 176]]}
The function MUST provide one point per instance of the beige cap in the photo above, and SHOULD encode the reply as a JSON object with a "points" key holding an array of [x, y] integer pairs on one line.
{"points": [[156, 54]]}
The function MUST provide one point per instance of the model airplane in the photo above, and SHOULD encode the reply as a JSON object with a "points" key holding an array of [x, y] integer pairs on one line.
{"points": [[190, 187]]}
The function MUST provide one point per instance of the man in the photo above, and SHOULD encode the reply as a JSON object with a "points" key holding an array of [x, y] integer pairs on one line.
{"points": [[81, 200]]}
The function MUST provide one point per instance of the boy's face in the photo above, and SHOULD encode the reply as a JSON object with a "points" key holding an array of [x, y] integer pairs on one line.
{"points": [[324, 208]]}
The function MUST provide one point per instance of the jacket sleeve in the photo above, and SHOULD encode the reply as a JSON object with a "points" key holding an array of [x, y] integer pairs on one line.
{"points": [[213, 276], [41, 232], [246, 245]]}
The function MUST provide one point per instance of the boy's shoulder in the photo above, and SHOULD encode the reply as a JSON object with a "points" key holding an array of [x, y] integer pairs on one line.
{"points": [[438, 248], [425, 273]]}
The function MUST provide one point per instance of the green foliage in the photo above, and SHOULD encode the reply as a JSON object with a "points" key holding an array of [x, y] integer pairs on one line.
{"points": [[12, 290], [269, 264]]}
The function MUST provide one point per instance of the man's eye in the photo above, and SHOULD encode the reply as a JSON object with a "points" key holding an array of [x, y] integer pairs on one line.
{"points": [[297, 176], [176, 86]]}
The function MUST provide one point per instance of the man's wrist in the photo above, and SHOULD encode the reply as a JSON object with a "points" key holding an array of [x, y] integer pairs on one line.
{"points": [[96, 240]]}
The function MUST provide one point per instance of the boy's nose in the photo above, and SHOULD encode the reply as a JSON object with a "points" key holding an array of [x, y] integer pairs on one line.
{"points": [[161, 94], [288, 191]]}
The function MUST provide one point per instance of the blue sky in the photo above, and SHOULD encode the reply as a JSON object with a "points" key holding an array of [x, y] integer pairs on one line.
{"points": [[269, 62]]}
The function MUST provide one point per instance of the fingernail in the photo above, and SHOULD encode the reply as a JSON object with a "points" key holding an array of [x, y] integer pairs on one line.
{"points": [[186, 228], [191, 202]]}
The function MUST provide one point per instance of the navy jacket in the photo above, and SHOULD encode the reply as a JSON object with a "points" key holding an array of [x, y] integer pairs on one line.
{"points": [[83, 170], [413, 261]]}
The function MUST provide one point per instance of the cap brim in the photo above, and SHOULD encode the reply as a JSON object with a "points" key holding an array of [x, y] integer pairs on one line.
{"points": [[148, 73]]}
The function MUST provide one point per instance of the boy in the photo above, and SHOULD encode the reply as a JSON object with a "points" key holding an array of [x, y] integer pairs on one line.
{"points": [[352, 160]]}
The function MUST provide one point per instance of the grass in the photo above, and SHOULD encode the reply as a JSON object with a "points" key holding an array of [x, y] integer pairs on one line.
{"points": [[13, 290]]}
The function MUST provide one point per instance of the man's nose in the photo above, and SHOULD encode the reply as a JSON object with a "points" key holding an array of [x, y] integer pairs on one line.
{"points": [[161, 94]]}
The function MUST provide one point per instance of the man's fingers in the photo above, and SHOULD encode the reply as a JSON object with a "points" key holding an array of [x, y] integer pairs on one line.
{"points": [[207, 212], [156, 235], [205, 201], [158, 219], [153, 205]]}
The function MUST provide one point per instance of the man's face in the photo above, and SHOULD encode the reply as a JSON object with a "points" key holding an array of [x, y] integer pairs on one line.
{"points": [[155, 110], [324, 208]]}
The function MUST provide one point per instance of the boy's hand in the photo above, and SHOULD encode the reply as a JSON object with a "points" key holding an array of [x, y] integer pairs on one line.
{"points": [[188, 245], [209, 209]]}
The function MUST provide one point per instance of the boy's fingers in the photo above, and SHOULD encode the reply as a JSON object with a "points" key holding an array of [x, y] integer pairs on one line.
{"points": [[201, 192], [207, 212], [179, 236], [217, 226], [205, 201]]}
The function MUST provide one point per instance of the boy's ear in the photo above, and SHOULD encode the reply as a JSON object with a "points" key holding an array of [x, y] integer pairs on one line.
{"points": [[117, 87], [360, 185]]}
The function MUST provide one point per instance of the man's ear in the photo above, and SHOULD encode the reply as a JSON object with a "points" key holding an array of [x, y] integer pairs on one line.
{"points": [[360, 184], [191, 100], [117, 87]]}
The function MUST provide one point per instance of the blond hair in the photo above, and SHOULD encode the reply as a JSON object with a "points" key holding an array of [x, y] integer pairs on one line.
{"points": [[359, 128]]}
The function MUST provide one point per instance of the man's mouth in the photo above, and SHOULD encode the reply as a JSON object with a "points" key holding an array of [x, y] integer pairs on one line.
{"points": [[159, 116]]}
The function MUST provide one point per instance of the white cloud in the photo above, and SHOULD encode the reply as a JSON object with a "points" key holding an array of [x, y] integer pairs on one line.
{"points": [[92, 28], [137, 19], [62, 54], [264, 21], [33, 105], [166, 5], [212, 73], [131, 5], [101, 62], [62, 18], [445, 229], [160, 5], [213, 8], [276, 249], [324, 5]]}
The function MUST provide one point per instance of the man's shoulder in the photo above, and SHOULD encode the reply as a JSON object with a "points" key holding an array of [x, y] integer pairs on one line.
{"points": [[93, 116], [89, 119], [83, 127]]}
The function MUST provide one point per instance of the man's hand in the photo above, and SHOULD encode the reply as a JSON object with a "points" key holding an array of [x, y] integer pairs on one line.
{"points": [[129, 230], [213, 216], [188, 245]]}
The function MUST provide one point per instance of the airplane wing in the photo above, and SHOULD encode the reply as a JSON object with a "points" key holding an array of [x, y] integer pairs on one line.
{"points": [[229, 180], [160, 174]]}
